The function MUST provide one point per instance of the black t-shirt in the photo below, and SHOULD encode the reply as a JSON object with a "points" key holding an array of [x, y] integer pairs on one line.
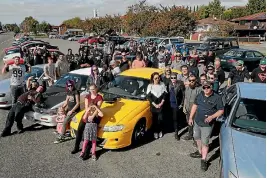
{"points": [[72, 100], [238, 76], [258, 75], [124, 66], [207, 106]]}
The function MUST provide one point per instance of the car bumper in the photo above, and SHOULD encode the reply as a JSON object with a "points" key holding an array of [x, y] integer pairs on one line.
{"points": [[5, 102], [109, 140], [42, 119]]}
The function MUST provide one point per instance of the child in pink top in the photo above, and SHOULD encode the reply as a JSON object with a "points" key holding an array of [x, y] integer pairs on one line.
{"points": [[138, 62], [61, 114]]}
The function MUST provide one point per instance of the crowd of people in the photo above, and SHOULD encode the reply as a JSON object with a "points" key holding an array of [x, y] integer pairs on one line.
{"points": [[192, 95]]}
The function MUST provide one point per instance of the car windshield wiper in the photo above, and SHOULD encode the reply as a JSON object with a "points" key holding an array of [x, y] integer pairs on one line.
{"points": [[250, 129]]}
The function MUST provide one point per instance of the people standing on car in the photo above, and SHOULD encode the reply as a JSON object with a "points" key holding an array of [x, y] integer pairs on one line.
{"points": [[215, 83], [17, 83], [92, 118], [156, 92], [203, 78], [38, 57], [259, 74], [85, 62], [219, 73], [210, 70], [71, 105], [62, 66], [50, 71], [176, 97], [177, 63], [191, 92], [115, 69], [184, 76], [69, 56], [54, 58], [95, 78], [238, 74], [23, 105], [138, 62], [161, 58], [209, 58], [194, 55], [166, 78], [91, 99], [184, 51], [125, 63], [32, 83], [193, 69], [206, 108]]}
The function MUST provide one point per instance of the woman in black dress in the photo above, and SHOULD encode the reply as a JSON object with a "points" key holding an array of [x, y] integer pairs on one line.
{"points": [[156, 92]]}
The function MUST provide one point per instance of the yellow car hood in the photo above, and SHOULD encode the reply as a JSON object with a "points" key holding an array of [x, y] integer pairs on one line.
{"points": [[115, 112]]}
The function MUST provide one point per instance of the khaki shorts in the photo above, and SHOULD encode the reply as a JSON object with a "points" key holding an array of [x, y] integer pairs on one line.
{"points": [[202, 133]]}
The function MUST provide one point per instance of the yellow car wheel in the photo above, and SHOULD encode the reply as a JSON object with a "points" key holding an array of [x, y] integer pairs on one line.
{"points": [[139, 132]]}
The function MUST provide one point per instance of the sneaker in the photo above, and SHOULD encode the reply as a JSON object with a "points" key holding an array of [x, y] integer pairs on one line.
{"points": [[176, 136], [156, 135], [74, 151], [160, 135], [195, 155], [94, 157], [5, 134], [188, 137], [59, 139], [204, 165]]}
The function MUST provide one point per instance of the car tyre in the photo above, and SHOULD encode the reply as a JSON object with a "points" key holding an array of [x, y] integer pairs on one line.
{"points": [[139, 132]]}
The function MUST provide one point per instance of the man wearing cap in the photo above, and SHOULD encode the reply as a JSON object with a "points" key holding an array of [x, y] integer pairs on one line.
{"points": [[206, 108], [23, 105], [115, 70], [238, 74], [177, 63], [259, 74]]}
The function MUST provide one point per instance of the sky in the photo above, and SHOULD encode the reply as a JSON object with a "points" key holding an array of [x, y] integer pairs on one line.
{"points": [[56, 11]]}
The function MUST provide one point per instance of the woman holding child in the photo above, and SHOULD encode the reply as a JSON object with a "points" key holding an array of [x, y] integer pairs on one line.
{"points": [[88, 124]]}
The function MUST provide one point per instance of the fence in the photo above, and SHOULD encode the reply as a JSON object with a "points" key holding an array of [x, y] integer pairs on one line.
{"points": [[250, 40]]}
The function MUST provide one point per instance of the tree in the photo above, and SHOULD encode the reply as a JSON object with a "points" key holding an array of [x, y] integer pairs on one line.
{"points": [[29, 24], [197, 8], [12, 27], [203, 12], [215, 8], [256, 6], [239, 12], [190, 9], [75, 22], [194, 9], [227, 14], [44, 27]]}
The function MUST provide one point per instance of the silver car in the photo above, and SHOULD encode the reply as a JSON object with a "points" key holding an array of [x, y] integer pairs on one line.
{"points": [[5, 94], [243, 132]]}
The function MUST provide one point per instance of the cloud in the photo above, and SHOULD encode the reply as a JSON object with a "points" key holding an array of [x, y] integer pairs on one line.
{"points": [[55, 11]]}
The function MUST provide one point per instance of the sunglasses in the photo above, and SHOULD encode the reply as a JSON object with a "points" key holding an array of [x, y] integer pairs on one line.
{"points": [[210, 69], [173, 78], [168, 70], [212, 78], [69, 86], [156, 78], [192, 80], [206, 87]]}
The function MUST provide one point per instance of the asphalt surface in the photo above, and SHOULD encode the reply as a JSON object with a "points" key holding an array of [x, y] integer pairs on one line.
{"points": [[33, 154]]}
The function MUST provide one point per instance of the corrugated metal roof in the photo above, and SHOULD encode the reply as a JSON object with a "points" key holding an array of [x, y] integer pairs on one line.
{"points": [[258, 16]]}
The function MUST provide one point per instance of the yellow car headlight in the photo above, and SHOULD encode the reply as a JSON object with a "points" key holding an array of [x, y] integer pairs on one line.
{"points": [[114, 128]]}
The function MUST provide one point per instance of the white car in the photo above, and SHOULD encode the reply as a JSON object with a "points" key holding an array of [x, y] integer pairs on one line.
{"points": [[10, 56], [75, 38], [56, 95]]}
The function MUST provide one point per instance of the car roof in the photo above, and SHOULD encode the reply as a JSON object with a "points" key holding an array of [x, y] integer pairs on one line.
{"points": [[39, 65], [252, 90], [84, 71], [243, 50], [141, 72]]}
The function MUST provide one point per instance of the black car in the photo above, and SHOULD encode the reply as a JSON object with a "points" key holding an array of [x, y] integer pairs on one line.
{"points": [[218, 45]]}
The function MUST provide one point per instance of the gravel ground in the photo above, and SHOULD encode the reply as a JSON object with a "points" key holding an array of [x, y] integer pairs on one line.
{"points": [[33, 154]]}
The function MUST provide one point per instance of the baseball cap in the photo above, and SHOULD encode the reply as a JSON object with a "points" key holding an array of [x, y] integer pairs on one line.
{"points": [[263, 62], [112, 63], [239, 63], [207, 83]]}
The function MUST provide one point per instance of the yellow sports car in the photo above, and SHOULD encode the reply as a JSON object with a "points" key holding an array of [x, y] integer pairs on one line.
{"points": [[126, 110]]}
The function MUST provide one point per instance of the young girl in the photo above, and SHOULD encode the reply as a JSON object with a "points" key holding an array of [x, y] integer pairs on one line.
{"points": [[92, 114], [61, 114]]}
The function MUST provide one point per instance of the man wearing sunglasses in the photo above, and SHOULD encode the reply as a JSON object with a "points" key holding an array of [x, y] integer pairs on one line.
{"points": [[191, 92], [206, 108]]}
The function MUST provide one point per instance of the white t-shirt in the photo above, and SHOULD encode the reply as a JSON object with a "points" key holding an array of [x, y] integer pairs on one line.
{"points": [[17, 74], [116, 71], [50, 70]]}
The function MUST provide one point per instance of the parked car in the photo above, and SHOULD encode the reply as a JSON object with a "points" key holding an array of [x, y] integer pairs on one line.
{"points": [[5, 94], [75, 38], [10, 57], [218, 45], [12, 51], [56, 95], [53, 35], [168, 42], [127, 114], [251, 58], [243, 131]]}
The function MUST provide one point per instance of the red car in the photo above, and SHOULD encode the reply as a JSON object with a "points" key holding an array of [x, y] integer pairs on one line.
{"points": [[83, 40], [11, 61]]}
